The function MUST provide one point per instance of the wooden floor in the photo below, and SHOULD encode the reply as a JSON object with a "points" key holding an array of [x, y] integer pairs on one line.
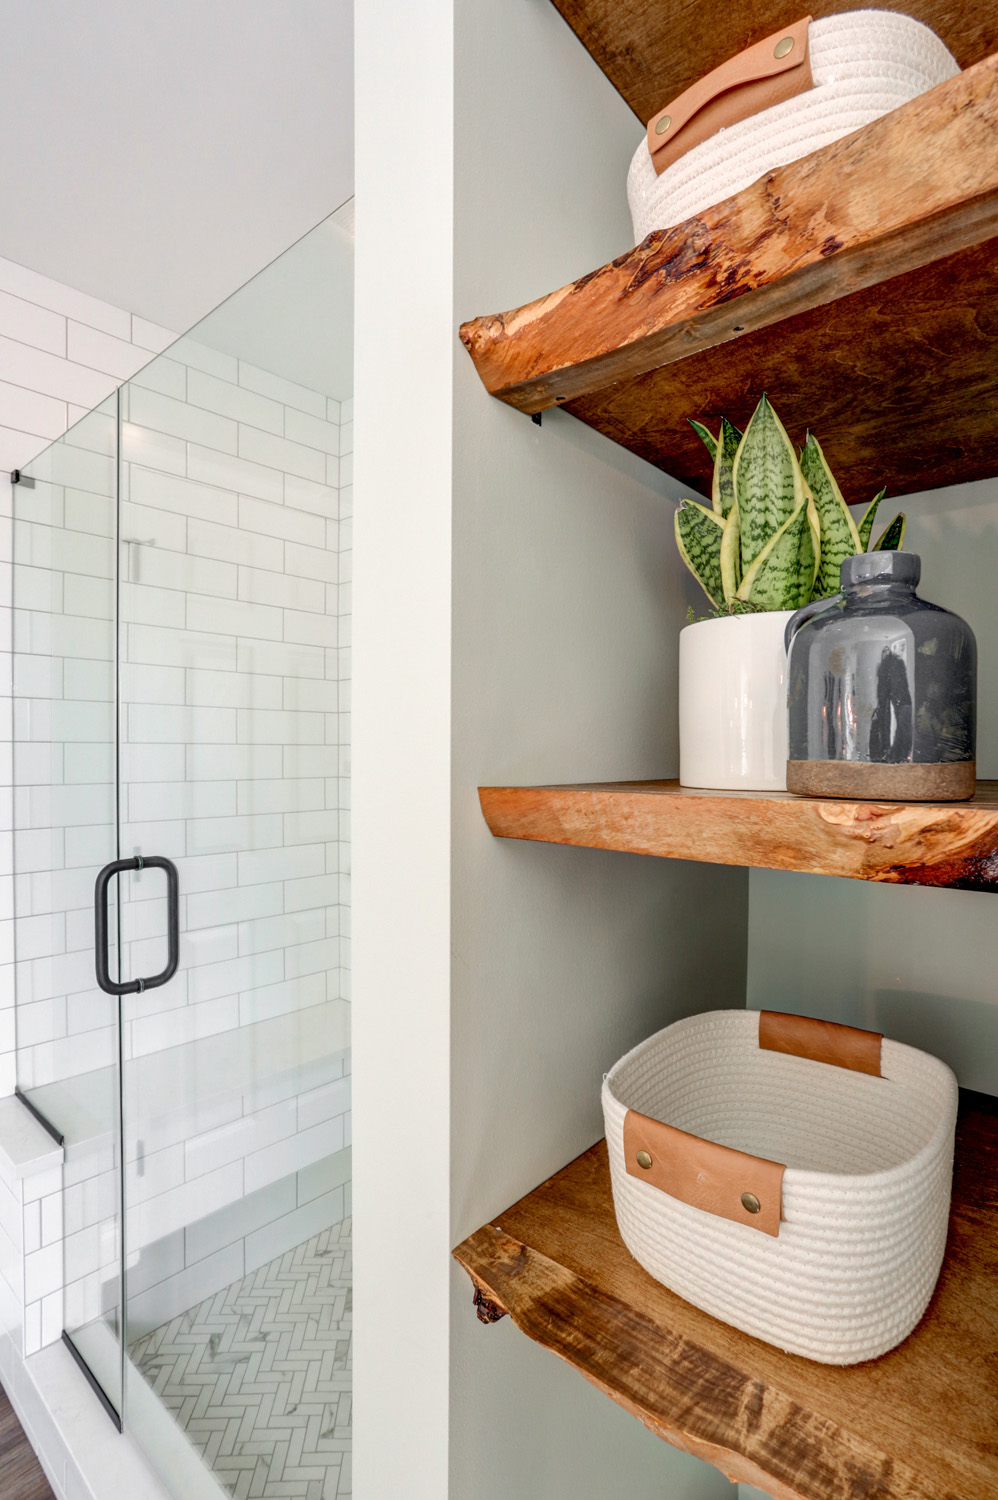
{"points": [[21, 1476]]}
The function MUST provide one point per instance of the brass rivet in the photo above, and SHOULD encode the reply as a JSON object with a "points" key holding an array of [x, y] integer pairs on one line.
{"points": [[750, 1203], [783, 46], [663, 125], [644, 1160]]}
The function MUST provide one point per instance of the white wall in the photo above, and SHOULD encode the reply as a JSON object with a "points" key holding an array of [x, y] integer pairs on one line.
{"points": [[498, 980], [917, 964]]}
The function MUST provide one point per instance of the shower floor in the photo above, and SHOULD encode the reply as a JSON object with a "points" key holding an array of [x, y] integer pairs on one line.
{"points": [[259, 1375]]}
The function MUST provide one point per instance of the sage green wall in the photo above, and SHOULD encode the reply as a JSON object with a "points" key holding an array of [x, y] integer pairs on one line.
{"points": [[918, 964]]}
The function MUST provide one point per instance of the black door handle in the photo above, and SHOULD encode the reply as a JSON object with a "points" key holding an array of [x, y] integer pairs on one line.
{"points": [[139, 862]]}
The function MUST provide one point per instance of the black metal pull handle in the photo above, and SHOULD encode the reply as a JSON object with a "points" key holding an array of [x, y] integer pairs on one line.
{"points": [[139, 862]]}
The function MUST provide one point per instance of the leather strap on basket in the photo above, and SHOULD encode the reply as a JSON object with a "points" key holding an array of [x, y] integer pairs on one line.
{"points": [[764, 74], [821, 1041], [728, 1183]]}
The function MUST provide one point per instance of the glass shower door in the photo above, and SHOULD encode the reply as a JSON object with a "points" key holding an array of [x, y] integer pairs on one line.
{"points": [[65, 831]]}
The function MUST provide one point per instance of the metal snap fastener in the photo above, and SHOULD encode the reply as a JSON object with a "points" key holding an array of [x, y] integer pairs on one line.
{"points": [[644, 1160], [666, 120], [783, 46], [750, 1203]]}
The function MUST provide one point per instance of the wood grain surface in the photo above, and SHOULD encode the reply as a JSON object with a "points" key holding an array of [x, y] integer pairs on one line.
{"points": [[651, 50], [915, 843], [859, 287], [21, 1475], [919, 1423]]}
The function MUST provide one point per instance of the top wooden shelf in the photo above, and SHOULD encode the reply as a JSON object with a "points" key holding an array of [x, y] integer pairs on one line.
{"points": [[651, 53], [857, 286]]}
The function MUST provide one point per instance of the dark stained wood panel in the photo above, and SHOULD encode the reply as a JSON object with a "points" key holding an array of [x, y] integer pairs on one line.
{"points": [[651, 50], [913, 843], [858, 286], [920, 1423], [916, 355], [21, 1475]]}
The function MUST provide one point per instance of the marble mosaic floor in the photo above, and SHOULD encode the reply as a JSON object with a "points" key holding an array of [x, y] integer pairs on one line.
{"points": [[259, 1376]]}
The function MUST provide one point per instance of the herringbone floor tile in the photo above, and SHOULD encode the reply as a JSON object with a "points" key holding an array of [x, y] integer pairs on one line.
{"points": [[259, 1376]]}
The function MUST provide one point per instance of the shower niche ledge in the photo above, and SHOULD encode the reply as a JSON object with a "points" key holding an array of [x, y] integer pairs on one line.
{"points": [[879, 251]]}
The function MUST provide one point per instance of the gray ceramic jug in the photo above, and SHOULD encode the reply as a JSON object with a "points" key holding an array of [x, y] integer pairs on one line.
{"points": [[882, 690]]}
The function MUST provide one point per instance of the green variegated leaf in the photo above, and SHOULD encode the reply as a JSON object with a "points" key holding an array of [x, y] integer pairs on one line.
{"points": [[705, 435], [769, 486], [698, 537], [782, 575], [866, 525], [839, 536], [723, 488], [731, 556], [892, 540]]}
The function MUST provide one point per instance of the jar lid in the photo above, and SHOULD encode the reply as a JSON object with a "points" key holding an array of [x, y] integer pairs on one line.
{"points": [[882, 567]]}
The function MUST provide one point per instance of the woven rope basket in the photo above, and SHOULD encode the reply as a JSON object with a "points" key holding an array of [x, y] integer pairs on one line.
{"points": [[853, 1252], [864, 64]]}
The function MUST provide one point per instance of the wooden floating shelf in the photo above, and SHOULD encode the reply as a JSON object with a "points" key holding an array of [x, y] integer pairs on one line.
{"points": [[913, 843], [917, 1424], [858, 287]]}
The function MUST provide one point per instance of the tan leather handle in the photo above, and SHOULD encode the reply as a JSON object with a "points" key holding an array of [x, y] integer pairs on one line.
{"points": [[728, 1183], [821, 1041], [767, 73]]}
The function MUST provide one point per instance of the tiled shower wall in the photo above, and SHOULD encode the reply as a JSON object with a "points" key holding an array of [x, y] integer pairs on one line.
{"points": [[236, 675]]}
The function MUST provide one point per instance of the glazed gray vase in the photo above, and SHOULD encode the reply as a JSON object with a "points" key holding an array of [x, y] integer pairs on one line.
{"points": [[882, 690]]}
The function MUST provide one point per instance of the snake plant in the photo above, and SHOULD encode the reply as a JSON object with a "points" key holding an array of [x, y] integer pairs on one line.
{"points": [[778, 529]]}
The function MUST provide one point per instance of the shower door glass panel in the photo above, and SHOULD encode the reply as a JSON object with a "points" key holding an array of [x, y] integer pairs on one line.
{"points": [[233, 726], [64, 731]]}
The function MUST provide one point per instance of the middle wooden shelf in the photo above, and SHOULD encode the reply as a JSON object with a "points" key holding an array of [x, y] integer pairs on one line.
{"points": [[909, 843]]}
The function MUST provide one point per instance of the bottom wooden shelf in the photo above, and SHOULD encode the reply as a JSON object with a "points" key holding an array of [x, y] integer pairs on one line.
{"points": [[921, 1423]]}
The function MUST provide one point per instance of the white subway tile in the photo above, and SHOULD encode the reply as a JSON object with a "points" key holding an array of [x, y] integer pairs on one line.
{"points": [[102, 351], [313, 432], [346, 438], [194, 425], [231, 617], [281, 1235], [262, 726], [149, 1173], [152, 449], [255, 1132], [144, 526], [233, 762], [284, 1157], [324, 1176], [149, 606], [282, 659], [235, 474], [157, 723], [278, 389], [34, 287], [164, 375], [42, 1272], [169, 492], [180, 799], [192, 1023], [310, 760], [303, 494], [216, 1230], [147, 684], [285, 795], [190, 350], [181, 648], [310, 891], [144, 763], [310, 630], [159, 568], [278, 453], [30, 324], [311, 827], [52, 375], [229, 544], [34, 413], [310, 562], [289, 864], [281, 931], [234, 401], [261, 586], [311, 958], [151, 335], [237, 904], [183, 1205], [228, 835], [233, 689], [281, 521]]}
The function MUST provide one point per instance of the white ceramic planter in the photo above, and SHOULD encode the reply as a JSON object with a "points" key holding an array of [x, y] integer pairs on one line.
{"points": [[733, 703]]}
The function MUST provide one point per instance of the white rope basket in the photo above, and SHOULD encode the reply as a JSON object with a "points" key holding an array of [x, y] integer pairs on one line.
{"points": [[864, 64], [865, 1194]]}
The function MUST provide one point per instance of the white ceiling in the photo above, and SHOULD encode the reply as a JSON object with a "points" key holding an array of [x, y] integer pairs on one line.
{"points": [[158, 153]]}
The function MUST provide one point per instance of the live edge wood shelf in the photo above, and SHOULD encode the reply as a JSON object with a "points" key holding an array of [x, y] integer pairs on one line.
{"points": [[913, 843], [858, 287], [918, 1424]]}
